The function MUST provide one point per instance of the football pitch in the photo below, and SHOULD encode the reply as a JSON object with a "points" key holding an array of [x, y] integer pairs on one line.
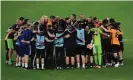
{"points": [[121, 11]]}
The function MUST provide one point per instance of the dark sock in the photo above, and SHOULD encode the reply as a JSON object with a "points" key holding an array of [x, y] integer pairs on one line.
{"points": [[72, 65], [86, 64], [91, 64], [67, 65], [116, 59], [121, 60]]}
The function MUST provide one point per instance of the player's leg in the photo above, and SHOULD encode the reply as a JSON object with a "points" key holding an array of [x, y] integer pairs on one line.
{"points": [[38, 52], [42, 57], [57, 51], [33, 55], [52, 57], [86, 60], [95, 55], [78, 60], [61, 57], [67, 58], [115, 54], [10, 47], [17, 55], [91, 57], [72, 57], [120, 57], [21, 57], [72, 62], [99, 56], [26, 56], [121, 53], [78, 56], [6, 46], [82, 51], [83, 61]]}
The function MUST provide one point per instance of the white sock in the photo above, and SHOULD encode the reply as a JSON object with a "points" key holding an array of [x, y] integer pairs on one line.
{"points": [[22, 64], [42, 66], [83, 65], [19, 63], [78, 64], [37, 66], [16, 64], [26, 65]]}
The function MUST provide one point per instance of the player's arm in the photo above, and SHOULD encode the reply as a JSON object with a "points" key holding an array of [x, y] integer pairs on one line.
{"points": [[6, 37], [51, 35], [105, 34], [65, 35], [105, 29], [119, 33], [16, 37], [48, 40], [32, 39]]}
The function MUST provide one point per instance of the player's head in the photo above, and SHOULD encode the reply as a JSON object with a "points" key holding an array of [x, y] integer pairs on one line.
{"points": [[116, 25], [28, 25], [20, 20], [105, 22], [81, 16], [49, 27], [112, 20], [89, 19], [95, 19], [52, 18], [58, 18], [41, 21], [45, 18], [87, 28], [25, 21], [67, 19], [41, 29], [73, 16]]}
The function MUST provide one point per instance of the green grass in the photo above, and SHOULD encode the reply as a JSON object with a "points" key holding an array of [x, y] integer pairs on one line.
{"points": [[121, 11]]}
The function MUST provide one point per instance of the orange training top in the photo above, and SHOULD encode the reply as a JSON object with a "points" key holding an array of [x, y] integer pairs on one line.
{"points": [[114, 36]]}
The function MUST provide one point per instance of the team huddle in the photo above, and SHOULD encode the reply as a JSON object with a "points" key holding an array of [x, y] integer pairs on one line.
{"points": [[65, 43]]}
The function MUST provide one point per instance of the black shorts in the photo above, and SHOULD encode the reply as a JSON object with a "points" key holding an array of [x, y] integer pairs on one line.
{"points": [[89, 52], [80, 50], [70, 52], [40, 53], [115, 48], [14, 44], [106, 45], [121, 46]]}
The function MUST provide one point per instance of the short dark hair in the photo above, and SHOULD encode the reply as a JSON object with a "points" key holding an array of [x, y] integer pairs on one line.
{"points": [[21, 18], [74, 15], [67, 18], [112, 20], [95, 18], [52, 17]]}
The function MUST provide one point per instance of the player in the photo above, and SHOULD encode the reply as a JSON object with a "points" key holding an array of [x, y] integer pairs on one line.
{"points": [[81, 35], [59, 48], [20, 55], [114, 42], [40, 47], [10, 37], [97, 46], [27, 35], [89, 46], [49, 42]]}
